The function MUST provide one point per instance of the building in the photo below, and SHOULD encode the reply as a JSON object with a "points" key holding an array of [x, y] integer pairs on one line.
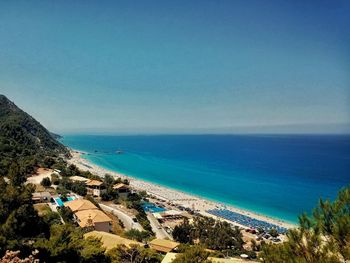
{"points": [[168, 215], [95, 188], [93, 218], [110, 241], [122, 190], [87, 215], [163, 245], [79, 179], [80, 205]]}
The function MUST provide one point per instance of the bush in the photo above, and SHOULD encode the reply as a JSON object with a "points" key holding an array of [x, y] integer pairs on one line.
{"points": [[66, 214], [273, 232], [193, 254], [54, 179], [138, 235], [46, 182]]}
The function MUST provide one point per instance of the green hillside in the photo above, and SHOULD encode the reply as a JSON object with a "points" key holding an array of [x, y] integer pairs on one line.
{"points": [[24, 139]]}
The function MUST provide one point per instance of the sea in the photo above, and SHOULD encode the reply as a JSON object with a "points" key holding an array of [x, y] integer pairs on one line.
{"points": [[280, 176]]}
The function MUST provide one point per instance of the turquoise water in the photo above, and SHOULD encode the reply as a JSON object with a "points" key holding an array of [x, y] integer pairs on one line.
{"points": [[61, 203], [279, 176], [150, 207]]}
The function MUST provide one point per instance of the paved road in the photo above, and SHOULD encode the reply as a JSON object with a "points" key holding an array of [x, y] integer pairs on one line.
{"points": [[125, 218], [157, 228]]}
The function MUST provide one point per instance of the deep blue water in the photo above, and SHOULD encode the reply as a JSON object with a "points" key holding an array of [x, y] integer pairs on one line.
{"points": [[276, 175]]}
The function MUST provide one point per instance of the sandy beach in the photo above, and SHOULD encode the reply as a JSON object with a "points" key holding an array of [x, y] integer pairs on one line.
{"points": [[169, 195]]}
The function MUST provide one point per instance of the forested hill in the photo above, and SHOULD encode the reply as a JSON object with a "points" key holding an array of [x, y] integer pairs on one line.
{"points": [[22, 138]]}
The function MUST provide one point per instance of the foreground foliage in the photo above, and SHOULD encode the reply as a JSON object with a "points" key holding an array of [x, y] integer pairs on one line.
{"points": [[323, 237], [133, 254], [213, 234], [193, 254]]}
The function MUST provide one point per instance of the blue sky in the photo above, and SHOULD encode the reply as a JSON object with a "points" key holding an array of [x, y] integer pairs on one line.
{"points": [[178, 66]]}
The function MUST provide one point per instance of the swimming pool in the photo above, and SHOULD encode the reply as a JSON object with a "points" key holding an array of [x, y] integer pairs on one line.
{"points": [[59, 201], [150, 207]]}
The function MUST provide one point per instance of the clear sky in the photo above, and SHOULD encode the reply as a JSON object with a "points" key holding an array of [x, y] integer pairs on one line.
{"points": [[178, 66]]}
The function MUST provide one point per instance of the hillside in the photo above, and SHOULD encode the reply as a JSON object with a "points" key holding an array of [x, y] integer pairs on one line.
{"points": [[22, 138]]}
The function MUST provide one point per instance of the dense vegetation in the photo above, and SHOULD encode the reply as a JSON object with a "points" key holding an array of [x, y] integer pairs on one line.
{"points": [[193, 254], [133, 254], [23, 229], [23, 139], [134, 201], [211, 234]]}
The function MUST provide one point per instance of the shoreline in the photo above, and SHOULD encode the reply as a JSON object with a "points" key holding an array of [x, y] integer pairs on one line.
{"points": [[171, 195]]}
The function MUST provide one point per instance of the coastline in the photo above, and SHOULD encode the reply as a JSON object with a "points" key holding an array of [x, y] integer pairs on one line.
{"points": [[171, 195]]}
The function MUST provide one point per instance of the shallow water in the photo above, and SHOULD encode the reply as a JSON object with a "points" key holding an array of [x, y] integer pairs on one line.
{"points": [[279, 176]]}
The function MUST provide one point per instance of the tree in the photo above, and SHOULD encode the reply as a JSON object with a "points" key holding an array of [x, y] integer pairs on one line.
{"points": [[193, 254], [46, 182], [273, 232], [137, 235], [108, 182], [324, 237], [67, 244], [18, 219], [48, 162], [17, 178], [66, 214], [217, 235], [51, 218], [133, 254], [182, 232], [55, 179]]}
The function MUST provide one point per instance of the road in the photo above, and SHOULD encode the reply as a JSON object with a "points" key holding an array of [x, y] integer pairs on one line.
{"points": [[157, 228], [125, 218]]}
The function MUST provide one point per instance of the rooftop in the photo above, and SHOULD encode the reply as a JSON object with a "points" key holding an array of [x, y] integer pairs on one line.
{"points": [[163, 245], [90, 217], [80, 205], [78, 178], [120, 185], [94, 183], [110, 241]]}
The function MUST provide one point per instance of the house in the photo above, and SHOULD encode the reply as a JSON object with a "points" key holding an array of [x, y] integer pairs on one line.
{"points": [[95, 188], [110, 241], [79, 179], [87, 215], [80, 205], [122, 190], [93, 218], [163, 245]]}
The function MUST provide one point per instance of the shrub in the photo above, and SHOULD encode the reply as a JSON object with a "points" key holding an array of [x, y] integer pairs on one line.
{"points": [[46, 182]]}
